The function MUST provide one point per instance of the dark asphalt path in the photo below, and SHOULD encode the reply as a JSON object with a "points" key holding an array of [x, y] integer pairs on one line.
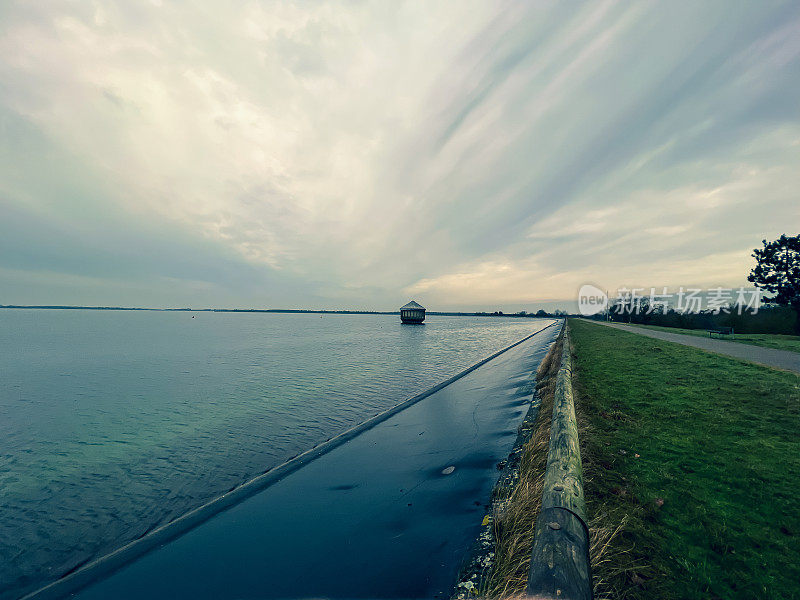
{"points": [[779, 359], [380, 516]]}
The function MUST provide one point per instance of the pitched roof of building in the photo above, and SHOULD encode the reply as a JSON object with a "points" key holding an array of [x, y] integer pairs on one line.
{"points": [[412, 304]]}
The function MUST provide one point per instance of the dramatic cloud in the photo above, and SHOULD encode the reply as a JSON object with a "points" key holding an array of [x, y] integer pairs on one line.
{"points": [[351, 154]]}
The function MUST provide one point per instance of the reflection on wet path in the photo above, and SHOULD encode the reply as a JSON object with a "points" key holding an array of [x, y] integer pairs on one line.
{"points": [[113, 423], [383, 515]]}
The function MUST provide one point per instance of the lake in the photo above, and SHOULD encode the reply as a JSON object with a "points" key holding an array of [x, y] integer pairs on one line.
{"points": [[114, 422]]}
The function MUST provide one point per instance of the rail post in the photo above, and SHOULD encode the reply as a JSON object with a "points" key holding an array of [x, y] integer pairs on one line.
{"points": [[560, 557]]}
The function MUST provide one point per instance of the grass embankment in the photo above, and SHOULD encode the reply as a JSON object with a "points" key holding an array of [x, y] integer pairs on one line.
{"points": [[765, 340], [698, 456]]}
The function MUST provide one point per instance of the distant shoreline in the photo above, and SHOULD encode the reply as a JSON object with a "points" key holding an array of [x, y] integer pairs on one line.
{"points": [[267, 310]]}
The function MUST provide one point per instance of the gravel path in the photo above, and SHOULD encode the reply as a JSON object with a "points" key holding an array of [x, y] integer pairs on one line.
{"points": [[779, 359]]}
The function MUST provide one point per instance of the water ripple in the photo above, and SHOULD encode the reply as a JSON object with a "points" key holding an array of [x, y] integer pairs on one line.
{"points": [[116, 422]]}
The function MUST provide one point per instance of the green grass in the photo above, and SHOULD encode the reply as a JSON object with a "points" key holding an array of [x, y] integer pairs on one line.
{"points": [[718, 441], [766, 340]]}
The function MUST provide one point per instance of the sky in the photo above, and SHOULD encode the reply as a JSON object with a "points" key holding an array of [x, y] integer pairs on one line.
{"points": [[469, 155]]}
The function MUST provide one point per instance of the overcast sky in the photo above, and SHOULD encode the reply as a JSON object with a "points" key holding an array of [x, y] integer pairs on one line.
{"points": [[471, 155]]}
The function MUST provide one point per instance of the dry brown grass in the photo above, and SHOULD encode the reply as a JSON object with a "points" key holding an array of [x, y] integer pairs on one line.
{"points": [[514, 519]]}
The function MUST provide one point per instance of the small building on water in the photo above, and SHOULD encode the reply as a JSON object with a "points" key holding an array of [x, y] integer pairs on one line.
{"points": [[412, 313]]}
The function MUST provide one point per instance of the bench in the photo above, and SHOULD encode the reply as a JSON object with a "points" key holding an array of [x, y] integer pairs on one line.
{"points": [[720, 331]]}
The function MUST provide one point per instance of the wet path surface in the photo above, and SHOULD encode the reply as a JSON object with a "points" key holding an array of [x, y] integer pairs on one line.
{"points": [[770, 357], [380, 516]]}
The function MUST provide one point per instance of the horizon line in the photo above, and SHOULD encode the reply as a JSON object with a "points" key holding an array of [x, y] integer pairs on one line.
{"points": [[261, 310]]}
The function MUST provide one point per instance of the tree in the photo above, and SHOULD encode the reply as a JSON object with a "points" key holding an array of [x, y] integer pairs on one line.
{"points": [[623, 309], [777, 271]]}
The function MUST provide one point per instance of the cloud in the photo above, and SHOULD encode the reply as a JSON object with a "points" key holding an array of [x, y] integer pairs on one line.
{"points": [[350, 154], [700, 234]]}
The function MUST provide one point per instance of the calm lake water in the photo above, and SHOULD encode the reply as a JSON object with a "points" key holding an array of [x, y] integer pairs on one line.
{"points": [[112, 423]]}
